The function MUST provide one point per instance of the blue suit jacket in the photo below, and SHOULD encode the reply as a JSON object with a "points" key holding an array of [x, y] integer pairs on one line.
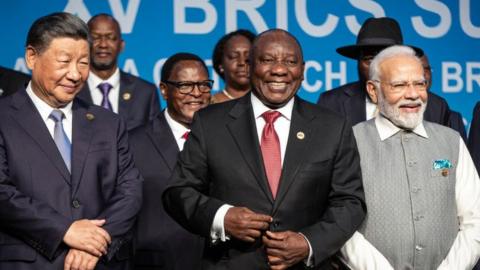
{"points": [[39, 199], [161, 242], [349, 100], [142, 104]]}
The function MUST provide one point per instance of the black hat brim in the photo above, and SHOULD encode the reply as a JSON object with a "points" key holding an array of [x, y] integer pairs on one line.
{"points": [[353, 51]]}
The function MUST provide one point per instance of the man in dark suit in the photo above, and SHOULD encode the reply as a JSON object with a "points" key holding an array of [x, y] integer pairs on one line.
{"points": [[11, 81], [69, 192], [351, 100], [134, 99], [270, 180], [161, 242], [474, 136], [455, 120]]}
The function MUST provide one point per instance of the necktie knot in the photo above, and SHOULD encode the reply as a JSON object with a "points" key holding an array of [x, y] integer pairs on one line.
{"points": [[185, 135], [57, 116], [105, 87], [271, 116]]}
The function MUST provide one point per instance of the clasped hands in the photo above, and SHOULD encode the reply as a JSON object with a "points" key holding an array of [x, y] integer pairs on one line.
{"points": [[88, 241], [284, 249]]}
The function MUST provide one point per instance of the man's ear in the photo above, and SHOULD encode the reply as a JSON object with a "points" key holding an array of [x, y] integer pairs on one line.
{"points": [[372, 91], [164, 91], [31, 56]]}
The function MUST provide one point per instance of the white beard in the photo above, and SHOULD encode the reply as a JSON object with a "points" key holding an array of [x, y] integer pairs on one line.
{"points": [[394, 114]]}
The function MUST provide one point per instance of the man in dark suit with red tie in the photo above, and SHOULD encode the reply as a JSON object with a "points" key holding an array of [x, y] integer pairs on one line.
{"points": [[69, 192], [271, 181], [133, 98], [161, 242]]}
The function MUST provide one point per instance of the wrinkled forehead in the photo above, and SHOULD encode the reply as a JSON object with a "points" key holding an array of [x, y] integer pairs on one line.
{"points": [[402, 68]]}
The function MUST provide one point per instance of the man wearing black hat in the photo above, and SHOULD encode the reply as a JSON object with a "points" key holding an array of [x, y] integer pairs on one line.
{"points": [[351, 100]]}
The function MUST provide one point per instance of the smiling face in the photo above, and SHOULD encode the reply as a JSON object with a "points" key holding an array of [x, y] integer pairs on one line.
{"points": [[235, 62], [58, 73], [182, 107], [277, 68], [107, 43], [403, 108]]}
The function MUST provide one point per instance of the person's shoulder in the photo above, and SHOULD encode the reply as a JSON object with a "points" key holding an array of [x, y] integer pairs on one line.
{"points": [[141, 83], [320, 112], [439, 129], [341, 90]]}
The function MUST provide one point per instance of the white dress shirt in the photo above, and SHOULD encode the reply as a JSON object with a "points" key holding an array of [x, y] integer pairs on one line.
{"points": [[359, 253], [44, 109], [177, 129], [282, 127], [97, 95]]}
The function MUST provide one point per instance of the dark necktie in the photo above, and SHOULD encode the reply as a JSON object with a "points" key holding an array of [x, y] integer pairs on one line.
{"points": [[60, 138], [270, 146], [105, 88]]}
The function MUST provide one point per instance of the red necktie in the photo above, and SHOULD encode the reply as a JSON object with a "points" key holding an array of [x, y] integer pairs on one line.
{"points": [[270, 146], [185, 135]]}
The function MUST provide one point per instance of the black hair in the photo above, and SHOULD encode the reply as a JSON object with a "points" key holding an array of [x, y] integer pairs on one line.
{"points": [[259, 36], [89, 23], [220, 47], [56, 25], [174, 59]]}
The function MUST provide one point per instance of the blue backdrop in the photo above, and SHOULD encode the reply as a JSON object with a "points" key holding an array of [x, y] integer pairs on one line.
{"points": [[448, 31]]}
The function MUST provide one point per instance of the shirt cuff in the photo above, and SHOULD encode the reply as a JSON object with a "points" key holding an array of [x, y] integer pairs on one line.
{"points": [[217, 232], [309, 260]]}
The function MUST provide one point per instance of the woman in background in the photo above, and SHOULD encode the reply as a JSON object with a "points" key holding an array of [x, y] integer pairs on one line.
{"points": [[230, 61]]}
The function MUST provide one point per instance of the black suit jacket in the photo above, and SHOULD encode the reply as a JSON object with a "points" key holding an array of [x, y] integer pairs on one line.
{"points": [[138, 100], [12, 81], [39, 198], [161, 242], [474, 136], [320, 192], [349, 101]]}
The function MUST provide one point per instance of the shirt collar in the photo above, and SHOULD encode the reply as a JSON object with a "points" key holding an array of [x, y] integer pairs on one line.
{"points": [[387, 129], [177, 128], [259, 108], [114, 80], [44, 109]]}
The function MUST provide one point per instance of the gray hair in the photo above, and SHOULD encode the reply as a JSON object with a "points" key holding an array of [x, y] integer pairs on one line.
{"points": [[56, 25], [390, 52]]}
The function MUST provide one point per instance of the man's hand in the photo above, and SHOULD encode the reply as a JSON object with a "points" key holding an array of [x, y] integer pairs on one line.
{"points": [[285, 249], [79, 260], [87, 235], [244, 224]]}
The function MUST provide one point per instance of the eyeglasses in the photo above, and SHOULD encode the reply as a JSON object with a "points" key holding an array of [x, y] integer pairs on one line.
{"points": [[186, 87], [401, 86]]}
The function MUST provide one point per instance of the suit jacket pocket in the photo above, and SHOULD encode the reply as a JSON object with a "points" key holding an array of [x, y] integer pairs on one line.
{"points": [[17, 252], [317, 166], [101, 146]]}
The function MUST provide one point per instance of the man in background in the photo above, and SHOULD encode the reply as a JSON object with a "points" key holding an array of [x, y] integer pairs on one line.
{"points": [[161, 242], [12, 81], [134, 99], [351, 100]]}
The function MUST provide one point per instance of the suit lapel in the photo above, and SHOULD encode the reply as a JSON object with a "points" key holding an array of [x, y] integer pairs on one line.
{"points": [[85, 94], [30, 120], [162, 138], [126, 95], [244, 132], [355, 104], [82, 131], [298, 140]]}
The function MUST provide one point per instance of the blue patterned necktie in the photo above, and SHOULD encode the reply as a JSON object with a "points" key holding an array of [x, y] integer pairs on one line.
{"points": [[105, 88], [60, 138]]}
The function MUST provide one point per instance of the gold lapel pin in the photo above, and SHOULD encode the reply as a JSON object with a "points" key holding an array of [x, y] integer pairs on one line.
{"points": [[445, 172], [90, 116], [300, 135], [127, 96]]}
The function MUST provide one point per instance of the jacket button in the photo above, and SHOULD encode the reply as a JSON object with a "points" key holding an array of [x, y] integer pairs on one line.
{"points": [[75, 204]]}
